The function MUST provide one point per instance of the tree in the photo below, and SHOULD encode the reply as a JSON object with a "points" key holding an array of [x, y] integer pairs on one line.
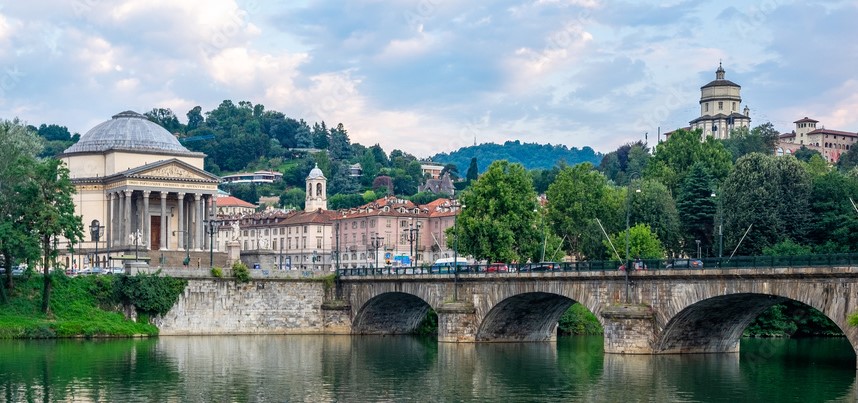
{"points": [[50, 213], [579, 196], [833, 227], [697, 209], [195, 118], [344, 201], [498, 223], [760, 139], [643, 243], [165, 118], [303, 137], [804, 154], [19, 146], [421, 198], [655, 207], [675, 157], [293, 198], [473, 171], [321, 137], [451, 169], [340, 145], [625, 162]]}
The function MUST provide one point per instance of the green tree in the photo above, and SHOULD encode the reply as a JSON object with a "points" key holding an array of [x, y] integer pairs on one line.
{"points": [[19, 146], [50, 213], [195, 118], [166, 119], [787, 248], [675, 157], [345, 201], [848, 160], [340, 145], [498, 222], [643, 243], [579, 196], [816, 165], [804, 154], [833, 227], [654, 206], [321, 136], [697, 209], [293, 198], [627, 161], [760, 139], [473, 171], [303, 136], [421, 198]]}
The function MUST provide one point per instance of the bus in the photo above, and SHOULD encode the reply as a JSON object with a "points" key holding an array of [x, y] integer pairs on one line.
{"points": [[445, 265]]}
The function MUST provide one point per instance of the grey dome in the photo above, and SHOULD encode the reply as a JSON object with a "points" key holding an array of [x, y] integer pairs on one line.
{"points": [[316, 173], [128, 131]]}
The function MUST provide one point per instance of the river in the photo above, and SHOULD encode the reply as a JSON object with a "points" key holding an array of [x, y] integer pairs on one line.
{"points": [[404, 368]]}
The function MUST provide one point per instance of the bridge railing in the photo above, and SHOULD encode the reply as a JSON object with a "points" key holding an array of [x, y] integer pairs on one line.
{"points": [[736, 262]]}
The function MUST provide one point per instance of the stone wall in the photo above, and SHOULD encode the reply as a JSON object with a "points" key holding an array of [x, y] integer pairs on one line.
{"points": [[222, 306]]}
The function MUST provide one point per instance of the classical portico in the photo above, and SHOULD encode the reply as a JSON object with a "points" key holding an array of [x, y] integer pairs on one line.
{"points": [[146, 190]]}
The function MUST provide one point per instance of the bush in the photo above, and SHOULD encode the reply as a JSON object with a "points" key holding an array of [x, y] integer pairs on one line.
{"points": [[578, 320], [240, 272], [217, 272], [150, 293]]}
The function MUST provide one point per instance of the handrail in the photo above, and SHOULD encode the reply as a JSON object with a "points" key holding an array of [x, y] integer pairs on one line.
{"points": [[501, 269]]}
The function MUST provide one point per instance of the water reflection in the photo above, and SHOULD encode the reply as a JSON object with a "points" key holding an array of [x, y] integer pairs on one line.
{"points": [[376, 368]]}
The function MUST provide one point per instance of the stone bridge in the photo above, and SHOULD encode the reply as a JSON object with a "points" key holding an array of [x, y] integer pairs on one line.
{"points": [[655, 312]]}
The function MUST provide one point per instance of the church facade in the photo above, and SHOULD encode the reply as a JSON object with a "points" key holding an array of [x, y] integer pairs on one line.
{"points": [[142, 189]]}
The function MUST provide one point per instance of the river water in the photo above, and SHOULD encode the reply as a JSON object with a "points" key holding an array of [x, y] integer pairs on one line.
{"points": [[403, 369]]}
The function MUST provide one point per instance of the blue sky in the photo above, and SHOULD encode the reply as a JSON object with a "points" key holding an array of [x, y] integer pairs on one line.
{"points": [[428, 76]]}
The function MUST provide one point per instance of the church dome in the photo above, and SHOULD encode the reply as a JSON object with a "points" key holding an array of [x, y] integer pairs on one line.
{"points": [[316, 173], [128, 131]]}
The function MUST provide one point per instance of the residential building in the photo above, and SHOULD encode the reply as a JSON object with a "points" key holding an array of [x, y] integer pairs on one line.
{"points": [[230, 205], [433, 169], [390, 230], [254, 177], [443, 185], [830, 143]]}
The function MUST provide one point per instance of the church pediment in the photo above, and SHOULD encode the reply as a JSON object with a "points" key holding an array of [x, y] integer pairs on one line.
{"points": [[173, 169]]}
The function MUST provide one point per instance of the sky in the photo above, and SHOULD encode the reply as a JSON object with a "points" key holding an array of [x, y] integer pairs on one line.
{"points": [[429, 76]]}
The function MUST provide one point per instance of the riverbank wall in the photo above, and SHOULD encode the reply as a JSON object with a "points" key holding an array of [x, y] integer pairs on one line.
{"points": [[214, 306]]}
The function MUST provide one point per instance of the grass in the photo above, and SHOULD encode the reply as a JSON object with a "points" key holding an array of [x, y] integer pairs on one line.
{"points": [[80, 307]]}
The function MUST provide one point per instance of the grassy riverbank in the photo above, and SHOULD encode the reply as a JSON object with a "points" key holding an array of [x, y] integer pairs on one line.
{"points": [[85, 306]]}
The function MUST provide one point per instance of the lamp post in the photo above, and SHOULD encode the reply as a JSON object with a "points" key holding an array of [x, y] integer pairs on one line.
{"points": [[542, 228], [187, 261], [95, 231], [698, 247], [314, 260], [376, 242], [628, 230], [212, 224], [412, 232], [456, 254], [720, 212]]}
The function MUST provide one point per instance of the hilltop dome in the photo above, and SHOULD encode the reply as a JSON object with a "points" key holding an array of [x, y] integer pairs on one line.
{"points": [[128, 130], [316, 173]]}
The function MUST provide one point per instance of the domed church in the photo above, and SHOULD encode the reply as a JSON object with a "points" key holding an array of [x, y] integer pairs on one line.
{"points": [[142, 189]]}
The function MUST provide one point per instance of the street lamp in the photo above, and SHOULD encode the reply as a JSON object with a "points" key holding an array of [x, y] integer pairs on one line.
{"points": [[95, 231], [376, 242], [720, 227], [628, 230], [314, 260], [542, 228], [698, 247], [213, 224], [456, 254], [413, 234]]}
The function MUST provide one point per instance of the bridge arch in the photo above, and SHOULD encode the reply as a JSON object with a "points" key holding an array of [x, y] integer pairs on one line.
{"points": [[390, 313], [529, 316], [715, 323]]}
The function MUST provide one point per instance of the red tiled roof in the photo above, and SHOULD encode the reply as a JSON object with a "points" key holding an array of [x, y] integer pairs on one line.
{"points": [[232, 201], [833, 132], [806, 120]]}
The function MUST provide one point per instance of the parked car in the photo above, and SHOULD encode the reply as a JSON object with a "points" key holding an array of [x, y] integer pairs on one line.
{"points": [[497, 268], [445, 265], [685, 264], [17, 271], [541, 266]]}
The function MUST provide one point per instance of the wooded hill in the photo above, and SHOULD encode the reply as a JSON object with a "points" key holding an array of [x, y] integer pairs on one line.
{"points": [[531, 155]]}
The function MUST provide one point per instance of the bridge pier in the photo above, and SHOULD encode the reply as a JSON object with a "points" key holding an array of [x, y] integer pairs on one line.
{"points": [[629, 329], [457, 322]]}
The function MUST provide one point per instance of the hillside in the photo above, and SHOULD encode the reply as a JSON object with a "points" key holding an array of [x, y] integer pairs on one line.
{"points": [[531, 155]]}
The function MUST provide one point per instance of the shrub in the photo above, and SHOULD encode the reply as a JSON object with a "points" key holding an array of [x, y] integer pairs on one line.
{"points": [[150, 293], [240, 272], [217, 272]]}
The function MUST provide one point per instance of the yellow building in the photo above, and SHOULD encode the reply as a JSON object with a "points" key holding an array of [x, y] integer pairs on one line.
{"points": [[147, 191], [720, 100]]}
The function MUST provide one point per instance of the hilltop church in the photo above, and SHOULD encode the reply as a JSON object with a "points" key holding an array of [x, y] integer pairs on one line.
{"points": [[720, 100]]}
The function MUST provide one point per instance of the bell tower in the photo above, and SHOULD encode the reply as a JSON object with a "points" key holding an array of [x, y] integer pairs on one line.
{"points": [[317, 190]]}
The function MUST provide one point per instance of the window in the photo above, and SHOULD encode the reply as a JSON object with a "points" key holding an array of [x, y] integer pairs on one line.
{"points": [[734, 106], [304, 242], [706, 107], [363, 239], [401, 238], [318, 189], [388, 223], [318, 243], [266, 232], [363, 224], [372, 223], [720, 105], [288, 242], [403, 223], [290, 230], [253, 232], [305, 229], [319, 229]]}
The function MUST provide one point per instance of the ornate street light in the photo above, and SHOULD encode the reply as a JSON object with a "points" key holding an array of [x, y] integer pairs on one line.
{"points": [[212, 224], [413, 234], [376, 242], [95, 232]]}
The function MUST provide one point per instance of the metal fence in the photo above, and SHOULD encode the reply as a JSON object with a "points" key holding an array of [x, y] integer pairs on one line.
{"points": [[737, 262]]}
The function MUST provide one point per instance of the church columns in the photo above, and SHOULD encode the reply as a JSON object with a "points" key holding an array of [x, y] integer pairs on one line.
{"points": [[147, 221], [165, 245], [108, 239], [181, 224], [198, 228], [127, 230]]}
